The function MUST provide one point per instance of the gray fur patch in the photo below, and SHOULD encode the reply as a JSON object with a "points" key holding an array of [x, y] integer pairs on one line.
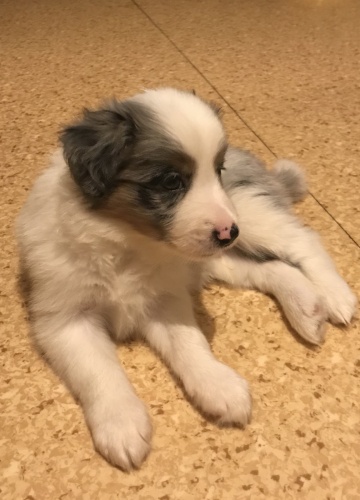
{"points": [[100, 144], [291, 177], [284, 184]]}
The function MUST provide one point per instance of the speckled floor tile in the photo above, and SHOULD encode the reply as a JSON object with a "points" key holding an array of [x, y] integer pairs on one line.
{"points": [[303, 442], [291, 70]]}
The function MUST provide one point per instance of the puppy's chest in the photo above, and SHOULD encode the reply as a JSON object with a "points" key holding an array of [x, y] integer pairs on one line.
{"points": [[135, 289]]}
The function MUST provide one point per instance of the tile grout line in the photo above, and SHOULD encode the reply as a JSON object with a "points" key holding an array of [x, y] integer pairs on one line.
{"points": [[233, 110]]}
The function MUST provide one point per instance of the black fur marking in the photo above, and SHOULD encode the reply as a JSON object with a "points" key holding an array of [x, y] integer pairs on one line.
{"points": [[242, 183], [263, 193], [263, 255], [161, 200], [149, 173]]}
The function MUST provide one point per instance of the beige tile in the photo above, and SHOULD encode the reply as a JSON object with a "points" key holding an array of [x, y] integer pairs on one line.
{"points": [[303, 441], [291, 70]]}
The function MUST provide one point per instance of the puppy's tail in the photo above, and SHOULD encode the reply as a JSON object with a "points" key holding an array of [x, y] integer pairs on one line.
{"points": [[291, 178]]}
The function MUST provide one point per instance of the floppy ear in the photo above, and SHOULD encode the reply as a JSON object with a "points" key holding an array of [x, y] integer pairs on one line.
{"points": [[216, 108], [96, 147]]}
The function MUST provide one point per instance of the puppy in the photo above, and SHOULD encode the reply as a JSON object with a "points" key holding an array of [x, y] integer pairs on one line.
{"points": [[142, 204]]}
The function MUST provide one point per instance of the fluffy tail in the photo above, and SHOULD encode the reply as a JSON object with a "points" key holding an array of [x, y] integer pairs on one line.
{"points": [[291, 178]]}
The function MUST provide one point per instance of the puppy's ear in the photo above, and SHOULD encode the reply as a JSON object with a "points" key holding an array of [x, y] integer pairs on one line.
{"points": [[96, 147], [216, 108]]}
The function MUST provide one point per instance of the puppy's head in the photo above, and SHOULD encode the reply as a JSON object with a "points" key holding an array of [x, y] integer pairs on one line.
{"points": [[155, 162]]}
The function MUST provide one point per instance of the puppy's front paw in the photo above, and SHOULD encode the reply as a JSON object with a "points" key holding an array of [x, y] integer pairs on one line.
{"points": [[312, 325], [223, 395], [121, 432], [306, 312], [340, 301]]}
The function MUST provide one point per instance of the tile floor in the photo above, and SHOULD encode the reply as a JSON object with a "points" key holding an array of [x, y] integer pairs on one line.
{"points": [[286, 73]]}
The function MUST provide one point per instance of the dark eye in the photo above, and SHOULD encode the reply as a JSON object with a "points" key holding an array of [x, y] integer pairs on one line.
{"points": [[172, 181], [219, 169]]}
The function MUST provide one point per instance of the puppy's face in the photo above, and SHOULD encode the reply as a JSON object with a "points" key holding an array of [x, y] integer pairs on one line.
{"points": [[155, 162]]}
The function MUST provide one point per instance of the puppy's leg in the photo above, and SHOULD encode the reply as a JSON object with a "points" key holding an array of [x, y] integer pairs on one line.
{"points": [[303, 246], [268, 230], [214, 387], [84, 357], [299, 299]]}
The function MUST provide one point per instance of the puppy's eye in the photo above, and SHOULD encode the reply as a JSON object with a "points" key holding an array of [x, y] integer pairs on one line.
{"points": [[219, 169], [172, 181]]}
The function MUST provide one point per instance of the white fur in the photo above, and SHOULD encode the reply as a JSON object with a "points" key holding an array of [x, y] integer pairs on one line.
{"points": [[190, 122], [92, 275]]}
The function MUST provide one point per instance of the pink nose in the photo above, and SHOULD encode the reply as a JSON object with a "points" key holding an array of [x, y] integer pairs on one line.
{"points": [[226, 235]]}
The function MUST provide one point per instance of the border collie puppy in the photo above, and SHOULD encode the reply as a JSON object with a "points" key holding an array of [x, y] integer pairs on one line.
{"points": [[144, 203]]}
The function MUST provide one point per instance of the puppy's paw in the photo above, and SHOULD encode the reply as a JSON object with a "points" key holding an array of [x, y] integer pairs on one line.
{"points": [[307, 313], [223, 395], [311, 324], [340, 301], [121, 432]]}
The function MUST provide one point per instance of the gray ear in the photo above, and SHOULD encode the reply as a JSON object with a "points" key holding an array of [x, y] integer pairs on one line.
{"points": [[216, 108], [96, 147]]}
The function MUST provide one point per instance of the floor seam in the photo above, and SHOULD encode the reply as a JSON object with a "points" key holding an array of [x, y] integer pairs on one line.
{"points": [[263, 142]]}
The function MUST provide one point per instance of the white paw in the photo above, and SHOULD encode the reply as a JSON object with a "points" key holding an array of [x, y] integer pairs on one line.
{"points": [[312, 326], [339, 300], [222, 395], [121, 431], [306, 312], [310, 319]]}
